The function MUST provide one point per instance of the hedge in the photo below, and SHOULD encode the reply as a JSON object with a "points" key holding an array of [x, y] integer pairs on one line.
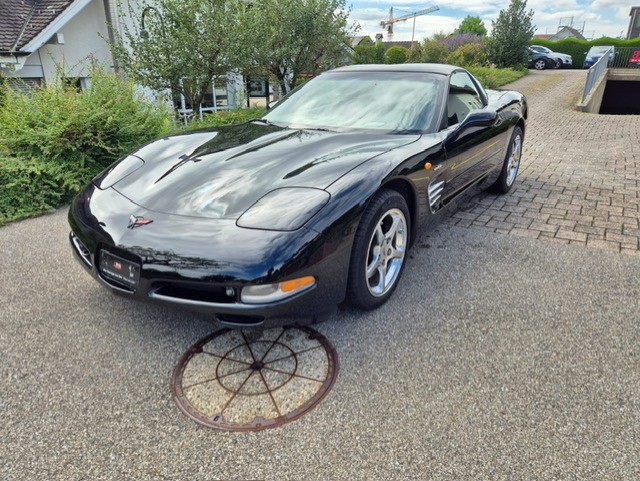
{"points": [[578, 48]]}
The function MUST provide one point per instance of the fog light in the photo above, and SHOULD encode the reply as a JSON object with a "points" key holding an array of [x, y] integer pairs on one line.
{"points": [[275, 292], [230, 291]]}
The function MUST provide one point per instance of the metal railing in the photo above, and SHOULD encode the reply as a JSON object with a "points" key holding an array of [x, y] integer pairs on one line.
{"points": [[625, 57], [596, 72]]}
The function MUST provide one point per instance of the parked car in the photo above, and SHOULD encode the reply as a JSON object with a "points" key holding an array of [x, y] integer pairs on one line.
{"points": [[280, 219], [563, 59], [595, 53], [540, 60]]}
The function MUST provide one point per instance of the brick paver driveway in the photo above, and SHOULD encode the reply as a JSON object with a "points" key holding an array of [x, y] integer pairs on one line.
{"points": [[578, 182]]}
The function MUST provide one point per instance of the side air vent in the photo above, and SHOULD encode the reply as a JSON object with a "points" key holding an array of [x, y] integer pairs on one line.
{"points": [[435, 194]]}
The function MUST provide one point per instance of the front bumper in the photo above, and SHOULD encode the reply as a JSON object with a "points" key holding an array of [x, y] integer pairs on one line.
{"points": [[191, 263]]}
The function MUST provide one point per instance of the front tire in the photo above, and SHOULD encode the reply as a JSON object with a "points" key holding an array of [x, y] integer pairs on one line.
{"points": [[379, 250], [511, 164]]}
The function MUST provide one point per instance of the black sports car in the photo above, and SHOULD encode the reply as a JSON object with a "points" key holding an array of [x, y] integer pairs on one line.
{"points": [[279, 220]]}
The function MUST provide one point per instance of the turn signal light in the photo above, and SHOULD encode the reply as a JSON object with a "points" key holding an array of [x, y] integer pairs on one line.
{"points": [[265, 293], [295, 284]]}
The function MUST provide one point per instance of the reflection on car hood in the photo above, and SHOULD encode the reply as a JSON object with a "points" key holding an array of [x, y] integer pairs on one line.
{"points": [[220, 173]]}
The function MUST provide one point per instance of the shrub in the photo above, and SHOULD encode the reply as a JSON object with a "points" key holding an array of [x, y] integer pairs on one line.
{"points": [[88, 130], [396, 55], [226, 117], [33, 186], [492, 78], [54, 140], [434, 51], [454, 42], [469, 55]]}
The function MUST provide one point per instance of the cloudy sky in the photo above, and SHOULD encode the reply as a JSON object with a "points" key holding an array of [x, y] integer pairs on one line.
{"points": [[600, 17]]}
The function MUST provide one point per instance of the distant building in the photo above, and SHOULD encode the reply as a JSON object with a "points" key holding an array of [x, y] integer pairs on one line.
{"points": [[634, 23], [566, 32]]}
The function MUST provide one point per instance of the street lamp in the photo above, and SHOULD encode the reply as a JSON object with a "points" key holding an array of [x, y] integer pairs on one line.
{"points": [[144, 33]]}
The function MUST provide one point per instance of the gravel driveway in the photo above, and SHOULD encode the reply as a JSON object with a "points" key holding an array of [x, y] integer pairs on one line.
{"points": [[500, 357]]}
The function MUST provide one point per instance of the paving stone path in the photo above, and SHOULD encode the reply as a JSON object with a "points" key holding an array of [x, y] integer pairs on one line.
{"points": [[579, 180]]}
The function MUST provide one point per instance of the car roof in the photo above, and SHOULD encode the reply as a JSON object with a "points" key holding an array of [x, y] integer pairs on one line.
{"points": [[437, 68]]}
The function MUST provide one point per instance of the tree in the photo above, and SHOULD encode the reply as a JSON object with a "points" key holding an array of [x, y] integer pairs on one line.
{"points": [[396, 55], [512, 32], [368, 52], [184, 44], [473, 25], [299, 36]]}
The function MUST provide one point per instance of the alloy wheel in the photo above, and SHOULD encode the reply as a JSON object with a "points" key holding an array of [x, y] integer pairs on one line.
{"points": [[386, 252]]}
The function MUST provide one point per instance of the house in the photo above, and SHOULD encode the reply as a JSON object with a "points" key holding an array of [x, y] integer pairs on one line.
{"points": [[566, 32], [37, 37], [634, 23]]}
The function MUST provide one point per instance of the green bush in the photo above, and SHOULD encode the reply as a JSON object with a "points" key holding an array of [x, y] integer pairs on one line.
{"points": [[54, 140], [469, 55], [396, 55], [89, 130], [226, 117], [578, 48], [434, 51], [33, 186], [492, 78]]}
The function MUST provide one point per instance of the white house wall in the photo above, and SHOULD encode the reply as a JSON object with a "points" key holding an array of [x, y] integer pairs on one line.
{"points": [[84, 37]]}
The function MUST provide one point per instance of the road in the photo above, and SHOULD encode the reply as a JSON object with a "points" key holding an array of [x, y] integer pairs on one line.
{"points": [[499, 357]]}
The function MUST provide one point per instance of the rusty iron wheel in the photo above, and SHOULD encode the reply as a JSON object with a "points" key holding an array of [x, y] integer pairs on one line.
{"points": [[253, 380]]}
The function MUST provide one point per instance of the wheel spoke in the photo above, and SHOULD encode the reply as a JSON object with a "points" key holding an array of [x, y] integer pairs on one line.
{"points": [[382, 269], [373, 267], [397, 222], [379, 233]]}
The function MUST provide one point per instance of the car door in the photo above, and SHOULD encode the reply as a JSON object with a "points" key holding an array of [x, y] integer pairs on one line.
{"points": [[473, 151]]}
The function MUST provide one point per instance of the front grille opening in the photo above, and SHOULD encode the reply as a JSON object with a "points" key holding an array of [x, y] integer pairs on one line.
{"points": [[81, 249], [240, 320], [199, 292]]}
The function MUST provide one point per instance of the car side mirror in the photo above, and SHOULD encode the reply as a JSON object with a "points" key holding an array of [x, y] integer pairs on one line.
{"points": [[476, 118], [271, 105]]}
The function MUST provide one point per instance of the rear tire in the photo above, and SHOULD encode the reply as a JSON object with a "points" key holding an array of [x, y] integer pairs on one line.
{"points": [[540, 64], [511, 164], [379, 250]]}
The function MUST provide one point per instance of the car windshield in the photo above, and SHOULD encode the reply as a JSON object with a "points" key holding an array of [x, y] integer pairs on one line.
{"points": [[599, 49], [398, 102]]}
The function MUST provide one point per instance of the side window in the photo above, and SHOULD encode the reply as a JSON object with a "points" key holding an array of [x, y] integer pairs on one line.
{"points": [[463, 98]]}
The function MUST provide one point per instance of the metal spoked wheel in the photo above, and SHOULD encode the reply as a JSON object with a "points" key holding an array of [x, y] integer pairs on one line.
{"points": [[540, 64], [387, 249], [514, 159], [249, 381]]}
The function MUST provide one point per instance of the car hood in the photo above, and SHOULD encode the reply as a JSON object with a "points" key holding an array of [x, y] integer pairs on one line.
{"points": [[221, 173]]}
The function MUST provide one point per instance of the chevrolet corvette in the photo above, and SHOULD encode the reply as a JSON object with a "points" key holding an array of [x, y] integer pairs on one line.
{"points": [[280, 220]]}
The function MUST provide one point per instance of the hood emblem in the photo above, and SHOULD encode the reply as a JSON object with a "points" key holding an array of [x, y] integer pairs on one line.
{"points": [[138, 221]]}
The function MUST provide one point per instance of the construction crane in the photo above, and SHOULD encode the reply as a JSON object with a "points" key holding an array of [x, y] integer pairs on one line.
{"points": [[388, 24]]}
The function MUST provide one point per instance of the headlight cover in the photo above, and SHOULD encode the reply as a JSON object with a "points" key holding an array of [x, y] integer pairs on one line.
{"points": [[285, 209], [117, 171], [267, 293]]}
